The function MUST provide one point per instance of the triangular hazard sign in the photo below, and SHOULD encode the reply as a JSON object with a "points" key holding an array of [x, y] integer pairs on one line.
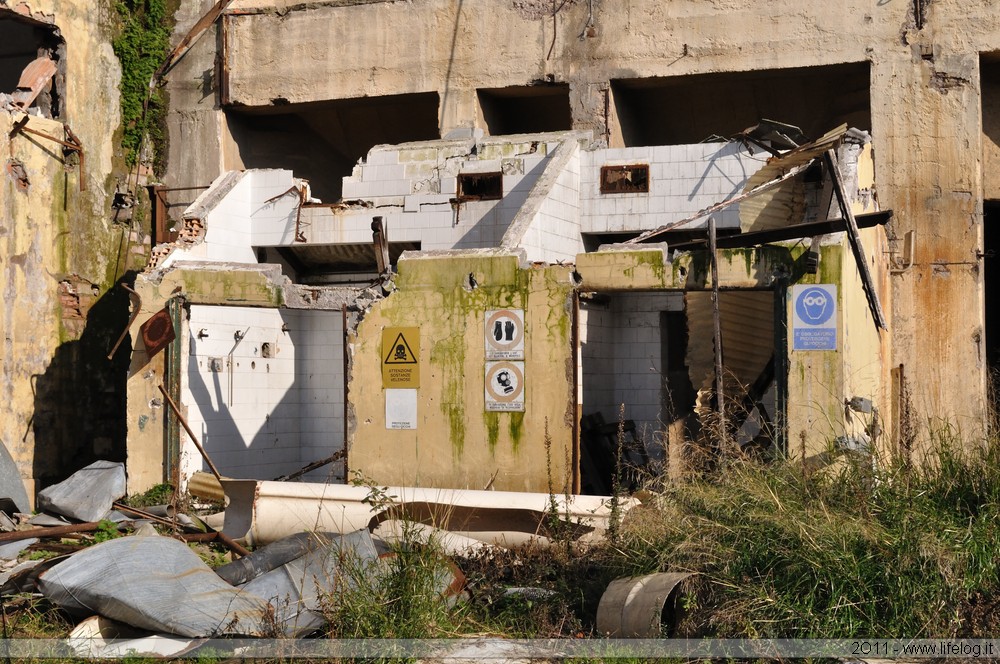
{"points": [[399, 352]]}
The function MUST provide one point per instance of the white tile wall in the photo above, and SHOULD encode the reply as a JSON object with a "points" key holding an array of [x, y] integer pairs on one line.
{"points": [[684, 179], [262, 417], [413, 186], [621, 357]]}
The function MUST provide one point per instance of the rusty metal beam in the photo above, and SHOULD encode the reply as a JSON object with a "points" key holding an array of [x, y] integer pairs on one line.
{"points": [[136, 306], [793, 232], [855, 241], [73, 144], [203, 24]]}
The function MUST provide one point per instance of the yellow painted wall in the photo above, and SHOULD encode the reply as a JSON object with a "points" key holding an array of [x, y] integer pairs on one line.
{"points": [[456, 442]]}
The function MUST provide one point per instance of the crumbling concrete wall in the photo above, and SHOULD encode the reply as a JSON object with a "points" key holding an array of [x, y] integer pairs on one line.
{"points": [[925, 99], [59, 260]]}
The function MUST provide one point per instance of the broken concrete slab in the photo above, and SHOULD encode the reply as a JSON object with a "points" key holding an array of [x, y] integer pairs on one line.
{"points": [[10, 551], [154, 583], [88, 493], [11, 484]]}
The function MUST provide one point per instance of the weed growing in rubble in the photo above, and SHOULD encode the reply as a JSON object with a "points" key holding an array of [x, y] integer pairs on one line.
{"points": [[161, 494], [106, 530], [860, 549], [401, 595]]}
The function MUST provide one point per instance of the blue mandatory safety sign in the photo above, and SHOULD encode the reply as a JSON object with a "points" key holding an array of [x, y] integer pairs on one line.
{"points": [[814, 324]]}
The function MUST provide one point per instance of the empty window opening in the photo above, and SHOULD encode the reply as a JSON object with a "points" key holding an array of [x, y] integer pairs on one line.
{"points": [[31, 56], [526, 109], [480, 186], [323, 141], [632, 179], [691, 109]]}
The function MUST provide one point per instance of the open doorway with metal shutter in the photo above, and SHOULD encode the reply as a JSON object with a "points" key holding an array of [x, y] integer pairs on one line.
{"points": [[647, 375]]}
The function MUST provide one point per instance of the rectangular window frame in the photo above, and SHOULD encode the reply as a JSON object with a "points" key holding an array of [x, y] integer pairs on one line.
{"points": [[613, 177]]}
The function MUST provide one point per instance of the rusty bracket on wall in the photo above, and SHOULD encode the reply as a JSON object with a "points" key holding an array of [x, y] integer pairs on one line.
{"points": [[74, 144], [136, 306]]}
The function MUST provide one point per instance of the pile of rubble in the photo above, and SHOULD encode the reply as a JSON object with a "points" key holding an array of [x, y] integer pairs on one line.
{"points": [[150, 592]]}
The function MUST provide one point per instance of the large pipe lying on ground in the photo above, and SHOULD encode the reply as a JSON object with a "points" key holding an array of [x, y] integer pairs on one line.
{"points": [[264, 512]]}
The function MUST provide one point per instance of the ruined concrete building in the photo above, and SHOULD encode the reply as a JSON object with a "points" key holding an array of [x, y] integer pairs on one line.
{"points": [[453, 255]]}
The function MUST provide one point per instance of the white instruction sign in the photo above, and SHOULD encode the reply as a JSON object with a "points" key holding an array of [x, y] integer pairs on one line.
{"points": [[400, 409], [505, 387], [505, 334], [814, 317]]}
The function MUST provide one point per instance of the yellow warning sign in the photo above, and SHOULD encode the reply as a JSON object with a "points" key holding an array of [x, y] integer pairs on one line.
{"points": [[400, 357]]}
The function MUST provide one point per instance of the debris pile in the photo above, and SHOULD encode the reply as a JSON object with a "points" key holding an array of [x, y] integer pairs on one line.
{"points": [[150, 592]]}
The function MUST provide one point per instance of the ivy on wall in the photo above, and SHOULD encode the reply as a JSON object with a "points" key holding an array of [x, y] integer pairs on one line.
{"points": [[141, 47]]}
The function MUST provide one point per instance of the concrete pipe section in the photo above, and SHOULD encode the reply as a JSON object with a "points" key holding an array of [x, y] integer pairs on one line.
{"points": [[640, 606]]}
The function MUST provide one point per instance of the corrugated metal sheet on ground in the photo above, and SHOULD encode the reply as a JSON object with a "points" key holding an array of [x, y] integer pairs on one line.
{"points": [[154, 583]]}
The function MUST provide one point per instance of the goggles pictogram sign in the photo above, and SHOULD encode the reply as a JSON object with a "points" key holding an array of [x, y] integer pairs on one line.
{"points": [[400, 360], [505, 334], [505, 386], [814, 318]]}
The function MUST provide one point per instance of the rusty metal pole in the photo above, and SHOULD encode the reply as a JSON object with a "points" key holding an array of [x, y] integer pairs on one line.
{"points": [[194, 439], [717, 331]]}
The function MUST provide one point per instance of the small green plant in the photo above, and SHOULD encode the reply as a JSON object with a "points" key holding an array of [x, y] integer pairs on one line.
{"points": [[161, 494], [41, 554], [106, 530], [213, 554]]}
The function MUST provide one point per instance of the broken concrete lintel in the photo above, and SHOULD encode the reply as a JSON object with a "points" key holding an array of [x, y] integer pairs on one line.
{"points": [[440, 269], [22, 11], [627, 267], [251, 285]]}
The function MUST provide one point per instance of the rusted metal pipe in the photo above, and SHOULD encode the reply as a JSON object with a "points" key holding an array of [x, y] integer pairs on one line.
{"points": [[187, 427], [54, 531], [717, 331], [336, 456], [143, 514]]}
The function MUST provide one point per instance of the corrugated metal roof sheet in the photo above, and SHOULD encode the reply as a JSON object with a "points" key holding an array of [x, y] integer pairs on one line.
{"points": [[786, 203]]}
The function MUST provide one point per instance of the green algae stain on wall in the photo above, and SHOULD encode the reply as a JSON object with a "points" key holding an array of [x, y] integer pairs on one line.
{"points": [[515, 427], [492, 431], [449, 355]]}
